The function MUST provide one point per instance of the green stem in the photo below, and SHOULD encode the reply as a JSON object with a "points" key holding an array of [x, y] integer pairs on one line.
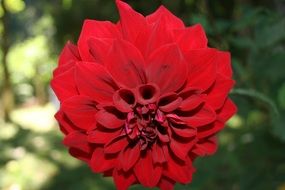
{"points": [[254, 94]]}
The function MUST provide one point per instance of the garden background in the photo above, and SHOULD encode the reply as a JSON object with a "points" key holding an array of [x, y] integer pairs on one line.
{"points": [[251, 155]]}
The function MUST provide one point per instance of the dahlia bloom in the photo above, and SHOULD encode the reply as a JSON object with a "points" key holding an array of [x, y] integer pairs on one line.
{"points": [[141, 99]]}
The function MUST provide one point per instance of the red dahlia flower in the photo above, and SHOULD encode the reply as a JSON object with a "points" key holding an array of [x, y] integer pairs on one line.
{"points": [[141, 99]]}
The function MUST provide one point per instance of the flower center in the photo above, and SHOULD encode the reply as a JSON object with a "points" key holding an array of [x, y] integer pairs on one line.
{"points": [[143, 124]]}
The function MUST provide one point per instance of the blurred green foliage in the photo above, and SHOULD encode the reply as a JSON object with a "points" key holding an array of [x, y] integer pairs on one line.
{"points": [[252, 146]]}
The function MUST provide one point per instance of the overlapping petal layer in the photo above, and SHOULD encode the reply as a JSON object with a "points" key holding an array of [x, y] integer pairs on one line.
{"points": [[141, 99]]}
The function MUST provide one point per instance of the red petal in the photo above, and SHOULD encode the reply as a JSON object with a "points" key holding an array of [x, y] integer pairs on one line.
{"points": [[202, 68], [157, 154], [146, 172], [101, 137], [100, 162], [175, 119], [173, 22], [163, 137], [64, 85], [204, 116], [132, 23], [109, 120], [223, 61], [219, 92], [147, 93], [116, 144], [193, 37], [158, 36], [166, 184], [124, 100], [192, 102], [129, 156], [227, 111], [184, 132], [80, 155], [99, 48], [77, 140], [67, 59], [93, 80], [123, 179], [181, 150], [177, 171], [206, 147], [126, 64], [66, 126], [210, 130], [69, 53], [169, 102], [142, 40], [81, 111], [96, 29], [63, 68], [167, 68]]}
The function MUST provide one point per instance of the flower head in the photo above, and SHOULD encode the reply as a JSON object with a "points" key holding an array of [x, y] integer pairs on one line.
{"points": [[141, 99]]}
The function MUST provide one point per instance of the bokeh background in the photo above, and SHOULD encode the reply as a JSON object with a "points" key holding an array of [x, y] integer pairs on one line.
{"points": [[251, 155]]}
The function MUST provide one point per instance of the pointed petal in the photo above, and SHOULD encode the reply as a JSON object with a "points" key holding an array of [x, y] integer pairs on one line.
{"points": [[79, 154], [184, 132], [210, 129], [193, 37], [146, 172], [202, 68], [69, 53], [223, 61], [166, 184], [179, 172], [227, 111], [219, 92], [63, 68], [173, 22], [206, 147], [181, 150], [129, 156], [109, 120], [96, 29], [64, 85], [158, 36], [203, 116], [101, 137], [116, 144], [123, 179], [192, 102], [100, 162], [126, 64], [132, 23], [166, 67], [65, 125], [67, 59], [81, 111], [77, 140], [157, 154], [93, 80], [99, 48]]}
